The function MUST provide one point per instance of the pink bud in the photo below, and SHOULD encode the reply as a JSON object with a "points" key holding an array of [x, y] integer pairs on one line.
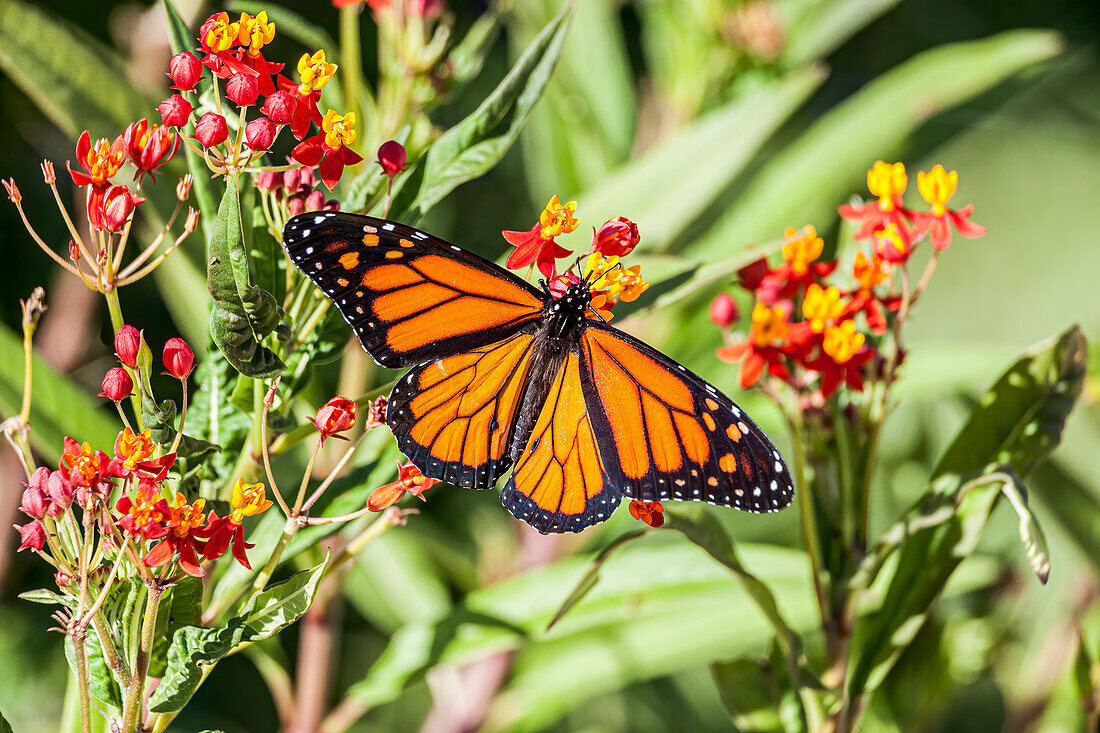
{"points": [[259, 134], [295, 206], [280, 107], [118, 204], [35, 500], [242, 89], [128, 345], [185, 71], [292, 181], [178, 358], [31, 536], [175, 111], [392, 157], [62, 579], [117, 384], [724, 310], [268, 181], [315, 201], [192, 219], [61, 493], [211, 130], [618, 236]]}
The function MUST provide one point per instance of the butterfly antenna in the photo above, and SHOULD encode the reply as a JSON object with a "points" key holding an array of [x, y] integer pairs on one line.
{"points": [[597, 314], [545, 286]]}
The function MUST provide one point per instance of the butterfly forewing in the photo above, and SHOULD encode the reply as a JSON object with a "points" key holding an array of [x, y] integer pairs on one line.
{"points": [[409, 297]]}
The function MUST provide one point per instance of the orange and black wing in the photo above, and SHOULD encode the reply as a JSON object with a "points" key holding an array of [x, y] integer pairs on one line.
{"points": [[455, 417], [559, 483], [409, 296], [665, 433]]}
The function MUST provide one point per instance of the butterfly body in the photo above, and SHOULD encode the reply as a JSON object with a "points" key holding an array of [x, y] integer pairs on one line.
{"points": [[505, 376]]}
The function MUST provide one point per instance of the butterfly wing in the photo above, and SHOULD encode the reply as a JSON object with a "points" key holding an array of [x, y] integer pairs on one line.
{"points": [[665, 433], [559, 483], [455, 417], [410, 298]]}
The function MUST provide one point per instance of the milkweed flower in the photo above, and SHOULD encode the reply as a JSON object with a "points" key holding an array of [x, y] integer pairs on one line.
{"points": [[763, 347], [869, 273], [211, 130], [537, 245], [329, 148], [145, 514], [185, 71], [314, 73], [335, 416], [184, 537], [648, 512], [247, 500], [117, 384], [801, 266], [175, 111], [178, 358], [128, 345], [886, 181], [843, 355], [937, 186], [409, 481]]}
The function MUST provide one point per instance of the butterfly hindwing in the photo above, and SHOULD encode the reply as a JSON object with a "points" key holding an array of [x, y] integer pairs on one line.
{"points": [[455, 417], [559, 483], [664, 433], [410, 297]]}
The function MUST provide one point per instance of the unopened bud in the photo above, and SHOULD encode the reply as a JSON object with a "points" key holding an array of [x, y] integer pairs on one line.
{"points": [[48, 174], [183, 188]]}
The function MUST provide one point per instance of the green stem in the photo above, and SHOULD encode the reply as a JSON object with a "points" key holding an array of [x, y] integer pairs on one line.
{"points": [[806, 513], [132, 702], [351, 63], [80, 636]]}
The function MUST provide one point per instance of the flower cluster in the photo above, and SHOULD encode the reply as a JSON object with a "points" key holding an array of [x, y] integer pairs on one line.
{"points": [[609, 280], [816, 335]]}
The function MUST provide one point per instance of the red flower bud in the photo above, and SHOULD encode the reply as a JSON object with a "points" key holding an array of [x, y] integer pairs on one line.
{"points": [[175, 111], [31, 536], [185, 71], [242, 89], [268, 181], [118, 204], [295, 206], [35, 500], [617, 236], [211, 130], [61, 493], [128, 345], [74, 251], [259, 134], [295, 180], [724, 310], [392, 157], [117, 384], [183, 188], [280, 107], [178, 358], [62, 579], [336, 416], [192, 220], [315, 201]]}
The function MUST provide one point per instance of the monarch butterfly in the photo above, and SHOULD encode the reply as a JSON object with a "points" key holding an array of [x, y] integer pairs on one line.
{"points": [[504, 375]]}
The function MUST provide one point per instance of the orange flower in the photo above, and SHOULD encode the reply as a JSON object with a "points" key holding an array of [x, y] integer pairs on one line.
{"points": [[248, 500], [409, 480], [937, 186], [184, 536], [649, 512]]}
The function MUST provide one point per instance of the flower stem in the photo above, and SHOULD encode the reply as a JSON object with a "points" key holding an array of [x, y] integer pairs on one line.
{"points": [[132, 702], [79, 636], [806, 512]]}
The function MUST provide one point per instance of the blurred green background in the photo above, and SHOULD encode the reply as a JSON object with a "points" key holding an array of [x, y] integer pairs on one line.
{"points": [[653, 85]]}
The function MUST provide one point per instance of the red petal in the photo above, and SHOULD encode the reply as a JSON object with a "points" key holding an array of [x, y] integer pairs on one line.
{"points": [[751, 369], [332, 166], [309, 152], [159, 555]]}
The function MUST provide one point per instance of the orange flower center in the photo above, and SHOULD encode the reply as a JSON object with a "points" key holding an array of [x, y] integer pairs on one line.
{"points": [[803, 249], [769, 325]]}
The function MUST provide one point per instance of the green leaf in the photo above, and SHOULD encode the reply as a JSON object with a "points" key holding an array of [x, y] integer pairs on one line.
{"points": [[472, 147], [468, 56], [77, 82], [1017, 423], [820, 28], [667, 189], [243, 313], [202, 187], [5, 726], [194, 647], [59, 407], [48, 597], [752, 691], [808, 178], [592, 575], [101, 683]]}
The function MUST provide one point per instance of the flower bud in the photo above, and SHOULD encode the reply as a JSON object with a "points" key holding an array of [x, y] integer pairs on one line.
{"points": [[211, 130], [295, 206], [178, 358], [617, 237], [14, 195], [242, 89], [117, 384], [185, 71], [336, 416], [259, 134], [183, 188], [118, 205], [31, 536], [61, 493], [192, 219], [74, 251], [62, 579], [128, 345], [392, 157], [35, 500], [175, 111], [724, 310], [292, 181], [268, 181], [280, 107], [48, 174], [315, 201]]}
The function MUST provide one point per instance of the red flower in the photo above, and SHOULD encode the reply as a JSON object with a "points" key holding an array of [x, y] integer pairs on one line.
{"points": [[117, 384], [112, 209], [761, 349], [184, 537], [128, 345], [259, 134], [175, 111], [211, 130], [217, 38], [531, 247], [618, 236], [91, 472], [869, 274], [648, 512], [185, 71], [254, 33], [60, 490], [242, 89], [32, 536], [937, 186], [315, 72], [724, 310], [98, 163], [149, 146], [842, 358], [329, 148], [800, 267], [887, 182], [178, 358], [280, 107], [247, 500], [409, 481], [145, 515], [392, 157], [335, 416]]}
